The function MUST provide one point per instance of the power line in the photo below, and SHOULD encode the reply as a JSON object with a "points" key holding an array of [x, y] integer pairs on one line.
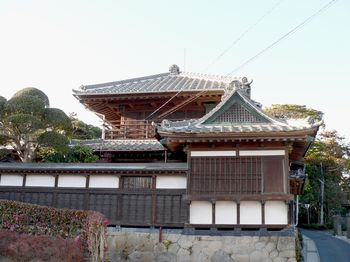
{"points": [[221, 55], [296, 28], [242, 35]]}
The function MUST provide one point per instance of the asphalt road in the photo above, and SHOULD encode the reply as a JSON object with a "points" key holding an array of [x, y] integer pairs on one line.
{"points": [[329, 248]]}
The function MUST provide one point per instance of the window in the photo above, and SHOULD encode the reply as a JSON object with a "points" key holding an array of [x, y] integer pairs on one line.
{"points": [[137, 182]]}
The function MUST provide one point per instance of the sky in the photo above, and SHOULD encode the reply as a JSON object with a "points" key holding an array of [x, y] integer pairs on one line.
{"points": [[58, 46]]}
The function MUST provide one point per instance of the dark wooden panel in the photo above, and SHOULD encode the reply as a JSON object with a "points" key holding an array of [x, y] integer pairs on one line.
{"points": [[120, 206], [273, 174], [10, 195], [107, 204], [136, 208], [70, 200], [171, 209], [39, 198]]}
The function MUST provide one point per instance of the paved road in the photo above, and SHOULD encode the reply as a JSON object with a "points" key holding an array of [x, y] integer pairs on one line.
{"points": [[329, 248]]}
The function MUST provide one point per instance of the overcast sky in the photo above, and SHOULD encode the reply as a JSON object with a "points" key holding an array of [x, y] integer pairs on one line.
{"points": [[57, 46]]}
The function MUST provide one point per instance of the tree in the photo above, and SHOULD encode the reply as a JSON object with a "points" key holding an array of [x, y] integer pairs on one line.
{"points": [[80, 130], [28, 123], [76, 154], [327, 160], [293, 111]]}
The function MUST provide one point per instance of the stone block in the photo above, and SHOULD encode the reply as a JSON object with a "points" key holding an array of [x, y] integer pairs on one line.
{"points": [[183, 255], [220, 256], [286, 243], [184, 243], [292, 259], [172, 237], [174, 248], [245, 245], [270, 246], [273, 254], [287, 253], [166, 257], [279, 259], [260, 245], [241, 258], [258, 255], [138, 256]]}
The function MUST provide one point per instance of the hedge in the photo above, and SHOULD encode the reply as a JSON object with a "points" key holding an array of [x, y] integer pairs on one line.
{"points": [[25, 248], [88, 226]]}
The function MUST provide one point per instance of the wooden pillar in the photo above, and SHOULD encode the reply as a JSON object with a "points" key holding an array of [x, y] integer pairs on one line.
{"points": [[154, 201], [55, 194], [213, 205], [23, 186], [86, 195], [263, 212], [238, 212]]}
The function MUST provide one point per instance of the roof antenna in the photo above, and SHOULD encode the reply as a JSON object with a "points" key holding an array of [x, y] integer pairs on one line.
{"points": [[184, 59]]}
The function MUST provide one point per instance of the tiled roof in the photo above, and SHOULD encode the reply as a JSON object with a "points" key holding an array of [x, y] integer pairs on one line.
{"points": [[92, 166], [172, 81], [121, 145], [203, 126]]}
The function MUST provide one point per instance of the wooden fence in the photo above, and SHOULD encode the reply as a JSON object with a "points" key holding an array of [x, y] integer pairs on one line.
{"points": [[149, 207]]}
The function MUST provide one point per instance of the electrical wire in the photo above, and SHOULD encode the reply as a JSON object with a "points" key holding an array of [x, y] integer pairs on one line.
{"points": [[222, 53], [242, 35], [289, 33]]}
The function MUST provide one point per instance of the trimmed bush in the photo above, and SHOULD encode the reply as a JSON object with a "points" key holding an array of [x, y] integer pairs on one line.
{"points": [[88, 226], [24, 247]]}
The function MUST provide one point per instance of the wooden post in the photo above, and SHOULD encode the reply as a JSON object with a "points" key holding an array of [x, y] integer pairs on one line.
{"points": [[238, 212], [23, 186], [154, 201], [263, 212], [86, 195], [55, 195], [213, 202]]}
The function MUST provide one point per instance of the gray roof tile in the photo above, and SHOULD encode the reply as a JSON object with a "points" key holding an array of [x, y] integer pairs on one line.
{"points": [[166, 82], [270, 125], [121, 145]]}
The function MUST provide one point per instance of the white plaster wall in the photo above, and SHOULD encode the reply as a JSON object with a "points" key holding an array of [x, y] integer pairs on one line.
{"points": [[71, 181], [200, 212], [40, 180], [171, 182], [225, 212], [250, 212], [262, 152], [213, 153], [97, 181], [276, 212], [11, 180]]}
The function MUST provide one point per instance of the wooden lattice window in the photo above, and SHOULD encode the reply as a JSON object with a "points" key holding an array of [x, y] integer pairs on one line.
{"points": [[238, 114], [226, 175], [134, 182], [236, 175]]}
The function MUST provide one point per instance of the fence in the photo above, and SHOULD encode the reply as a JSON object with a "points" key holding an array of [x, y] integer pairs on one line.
{"points": [[154, 207]]}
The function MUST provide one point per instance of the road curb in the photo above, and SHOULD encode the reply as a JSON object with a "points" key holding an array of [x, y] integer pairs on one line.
{"points": [[310, 251]]}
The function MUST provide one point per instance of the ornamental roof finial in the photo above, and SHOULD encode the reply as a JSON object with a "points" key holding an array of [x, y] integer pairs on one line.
{"points": [[174, 69]]}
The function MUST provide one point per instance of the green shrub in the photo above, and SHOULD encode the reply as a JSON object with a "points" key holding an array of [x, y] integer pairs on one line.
{"points": [[88, 226]]}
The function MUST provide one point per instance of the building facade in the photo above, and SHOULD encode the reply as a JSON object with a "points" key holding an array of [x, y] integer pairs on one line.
{"points": [[179, 150]]}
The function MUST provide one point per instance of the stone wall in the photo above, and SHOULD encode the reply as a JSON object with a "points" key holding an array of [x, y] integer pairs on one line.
{"points": [[145, 246]]}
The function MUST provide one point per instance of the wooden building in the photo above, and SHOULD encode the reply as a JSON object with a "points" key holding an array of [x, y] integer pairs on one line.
{"points": [[211, 157]]}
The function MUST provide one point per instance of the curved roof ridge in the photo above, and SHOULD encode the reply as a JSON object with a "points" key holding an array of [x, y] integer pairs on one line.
{"points": [[212, 77], [248, 101], [119, 82]]}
